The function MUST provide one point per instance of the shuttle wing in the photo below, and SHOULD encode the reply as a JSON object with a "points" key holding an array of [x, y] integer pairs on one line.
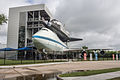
{"points": [[74, 39], [61, 34], [78, 49]]}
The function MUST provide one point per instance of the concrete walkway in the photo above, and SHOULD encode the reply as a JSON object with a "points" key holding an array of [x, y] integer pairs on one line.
{"points": [[47, 68], [95, 77], [31, 65]]}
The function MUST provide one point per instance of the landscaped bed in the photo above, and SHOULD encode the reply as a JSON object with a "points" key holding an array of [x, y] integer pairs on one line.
{"points": [[117, 78], [90, 72]]}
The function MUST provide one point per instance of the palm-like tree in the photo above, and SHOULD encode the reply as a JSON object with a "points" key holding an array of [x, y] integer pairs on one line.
{"points": [[3, 19]]}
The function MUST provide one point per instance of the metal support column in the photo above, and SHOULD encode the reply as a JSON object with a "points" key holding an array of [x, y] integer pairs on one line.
{"points": [[68, 55], [53, 56], [4, 57], [39, 15], [26, 32]]}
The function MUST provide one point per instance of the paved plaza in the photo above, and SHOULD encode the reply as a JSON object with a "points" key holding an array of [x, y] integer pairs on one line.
{"points": [[22, 70]]}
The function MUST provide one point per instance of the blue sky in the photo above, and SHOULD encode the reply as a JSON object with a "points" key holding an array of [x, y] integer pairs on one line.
{"points": [[36, 1], [30, 1]]}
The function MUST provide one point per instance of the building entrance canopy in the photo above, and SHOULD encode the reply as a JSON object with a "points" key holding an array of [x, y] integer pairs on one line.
{"points": [[19, 49]]}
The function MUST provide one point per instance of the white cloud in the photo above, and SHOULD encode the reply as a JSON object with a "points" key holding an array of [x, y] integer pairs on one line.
{"points": [[96, 21], [6, 4], [52, 5], [3, 34]]}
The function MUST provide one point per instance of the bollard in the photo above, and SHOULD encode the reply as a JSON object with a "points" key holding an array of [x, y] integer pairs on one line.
{"points": [[119, 57], [85, 56], [91, 57], [113, 56], [116, 56], [96, 56]]}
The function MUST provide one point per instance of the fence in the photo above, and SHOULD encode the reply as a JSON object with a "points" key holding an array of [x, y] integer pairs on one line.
{"points": [[62, 57]]}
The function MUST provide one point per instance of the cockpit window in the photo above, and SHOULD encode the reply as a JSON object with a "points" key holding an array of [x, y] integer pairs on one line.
{"points": [[44, 29]]}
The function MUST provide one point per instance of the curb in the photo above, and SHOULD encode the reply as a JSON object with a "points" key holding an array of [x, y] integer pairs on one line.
{"points": [[31, 65], [60, 78]]}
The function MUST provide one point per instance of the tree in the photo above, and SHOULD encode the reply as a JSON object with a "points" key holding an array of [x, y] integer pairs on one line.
{"points": [[3, 19], [84, 47]]}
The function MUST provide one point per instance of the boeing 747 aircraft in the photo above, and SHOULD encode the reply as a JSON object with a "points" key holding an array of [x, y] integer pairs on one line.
{"points": [[52, 37], [48, 40]]}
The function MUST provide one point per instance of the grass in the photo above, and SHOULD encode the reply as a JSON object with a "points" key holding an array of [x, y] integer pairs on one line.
{"points": [[17, 62], [117, 78], [91, 72], [101, 59]]}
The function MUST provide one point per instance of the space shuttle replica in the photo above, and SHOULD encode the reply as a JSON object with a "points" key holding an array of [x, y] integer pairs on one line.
{"points": [[52, 37]]}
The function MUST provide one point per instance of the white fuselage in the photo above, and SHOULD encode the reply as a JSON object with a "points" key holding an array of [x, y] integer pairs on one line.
{"points": [[48, 40]]}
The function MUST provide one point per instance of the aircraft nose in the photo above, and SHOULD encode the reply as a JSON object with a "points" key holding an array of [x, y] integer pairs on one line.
{"points": [[39, 44], [37, 40], [34, 38]]}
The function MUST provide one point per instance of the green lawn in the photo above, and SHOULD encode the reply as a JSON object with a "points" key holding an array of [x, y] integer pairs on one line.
{"points": [[91, 72], [101, 59], [17, 62], [117, 78]]}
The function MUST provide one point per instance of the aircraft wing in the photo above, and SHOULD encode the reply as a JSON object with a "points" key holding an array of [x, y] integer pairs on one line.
{"points": [[77, 49], [72, 49], [100, 49]]}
